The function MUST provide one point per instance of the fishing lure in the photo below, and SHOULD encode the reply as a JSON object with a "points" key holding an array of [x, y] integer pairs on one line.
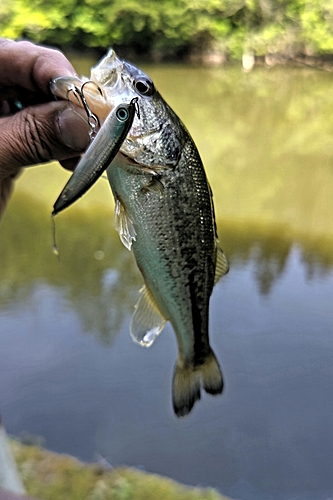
{"points": [[103, 148]]}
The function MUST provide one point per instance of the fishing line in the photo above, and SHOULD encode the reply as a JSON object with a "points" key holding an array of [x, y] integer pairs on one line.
{"points": [[55, 248]]}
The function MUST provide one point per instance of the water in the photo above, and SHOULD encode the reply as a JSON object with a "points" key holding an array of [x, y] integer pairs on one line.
{"points": [[69, 371]]}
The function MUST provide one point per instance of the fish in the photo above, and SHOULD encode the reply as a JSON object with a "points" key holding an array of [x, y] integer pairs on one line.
{"points": [[164, 212], [98, 156]]}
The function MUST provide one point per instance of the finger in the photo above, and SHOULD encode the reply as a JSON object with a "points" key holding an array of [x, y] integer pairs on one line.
{"points": [[31, 66], [24, 97], [37, 134], [70, 163], [6, 187]]}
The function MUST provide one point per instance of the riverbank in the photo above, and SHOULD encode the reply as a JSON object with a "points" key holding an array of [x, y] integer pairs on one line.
{"points": [[210, 58], [176, 30], [51, 476]]}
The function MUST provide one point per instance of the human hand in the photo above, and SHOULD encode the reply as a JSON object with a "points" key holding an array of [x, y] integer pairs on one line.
{"points": [[44, 129]]}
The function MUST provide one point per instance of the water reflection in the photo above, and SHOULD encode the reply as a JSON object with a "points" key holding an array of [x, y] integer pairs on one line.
{"points": [[269, 247], [98, 277]]}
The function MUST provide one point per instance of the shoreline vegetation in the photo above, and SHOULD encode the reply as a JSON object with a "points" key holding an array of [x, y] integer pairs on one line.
{"points": [[51, 476], [208, 32]]}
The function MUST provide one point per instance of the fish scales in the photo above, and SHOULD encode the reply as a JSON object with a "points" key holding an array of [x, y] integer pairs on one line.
{"points": [[175, 245]]}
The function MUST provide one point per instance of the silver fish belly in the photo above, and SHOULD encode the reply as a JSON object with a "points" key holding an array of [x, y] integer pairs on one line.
{"points": [[164, 211]]}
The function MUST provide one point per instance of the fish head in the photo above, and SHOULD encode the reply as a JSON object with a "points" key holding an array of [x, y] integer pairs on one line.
{"points": [[157, 135]]}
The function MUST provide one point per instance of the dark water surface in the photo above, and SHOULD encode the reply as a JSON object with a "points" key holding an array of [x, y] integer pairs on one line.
{"points": [[69, 371]]}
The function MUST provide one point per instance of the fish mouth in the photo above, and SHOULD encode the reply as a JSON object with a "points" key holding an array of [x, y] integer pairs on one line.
{"points": [[107, 71], [112, 76]]}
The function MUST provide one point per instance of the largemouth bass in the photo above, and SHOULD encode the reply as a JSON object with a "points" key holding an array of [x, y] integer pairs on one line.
{"points": [[164, 211]]}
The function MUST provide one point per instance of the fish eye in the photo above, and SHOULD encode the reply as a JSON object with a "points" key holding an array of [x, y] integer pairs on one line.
{"points": [[122, 114], [144, 86]]}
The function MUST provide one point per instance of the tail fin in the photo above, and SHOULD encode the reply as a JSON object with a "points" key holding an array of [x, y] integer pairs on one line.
{"points": [[188, 380]]}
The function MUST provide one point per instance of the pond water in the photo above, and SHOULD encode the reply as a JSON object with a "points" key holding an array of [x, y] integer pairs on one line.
{"points": [[69, 371]]}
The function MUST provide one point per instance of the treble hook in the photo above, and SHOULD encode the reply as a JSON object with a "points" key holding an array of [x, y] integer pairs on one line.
{"points": [[75, 91], [93, 121], [135, 101], [94, 83]]}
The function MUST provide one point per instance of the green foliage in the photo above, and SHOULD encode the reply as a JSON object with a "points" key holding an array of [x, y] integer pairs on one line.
{"points": [[172, 26], [175, 27]]}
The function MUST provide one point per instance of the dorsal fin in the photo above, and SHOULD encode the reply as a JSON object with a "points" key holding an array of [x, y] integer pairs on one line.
{"points": [[222, 265], [147, 321]]}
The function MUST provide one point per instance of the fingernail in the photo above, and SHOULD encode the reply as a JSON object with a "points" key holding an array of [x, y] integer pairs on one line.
{"points": [[74, 129]]}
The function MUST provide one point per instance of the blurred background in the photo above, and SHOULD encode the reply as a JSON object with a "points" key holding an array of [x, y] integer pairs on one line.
{"points": [[202, 30], [69, 371]]}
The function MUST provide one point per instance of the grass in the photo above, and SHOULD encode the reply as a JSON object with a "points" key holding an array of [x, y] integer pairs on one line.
{"points": [[51, 476]]}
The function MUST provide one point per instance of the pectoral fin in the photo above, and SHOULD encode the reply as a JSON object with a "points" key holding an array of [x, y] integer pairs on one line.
{"points": [[222, 264], [123, 225], [154, 186], [147, 321]]}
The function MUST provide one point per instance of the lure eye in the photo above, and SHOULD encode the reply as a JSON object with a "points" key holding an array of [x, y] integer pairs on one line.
{"points": [[144, 86], [122, 114]]}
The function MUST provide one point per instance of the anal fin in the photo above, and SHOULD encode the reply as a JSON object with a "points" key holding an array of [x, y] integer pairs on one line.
{"points": [[147, 321]]}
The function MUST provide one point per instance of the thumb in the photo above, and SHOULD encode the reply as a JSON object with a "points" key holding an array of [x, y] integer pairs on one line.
{"points": [[50, 131]]}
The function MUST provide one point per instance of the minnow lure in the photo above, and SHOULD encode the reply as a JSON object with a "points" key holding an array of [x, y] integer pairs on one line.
{"points": [[99, 154]]}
